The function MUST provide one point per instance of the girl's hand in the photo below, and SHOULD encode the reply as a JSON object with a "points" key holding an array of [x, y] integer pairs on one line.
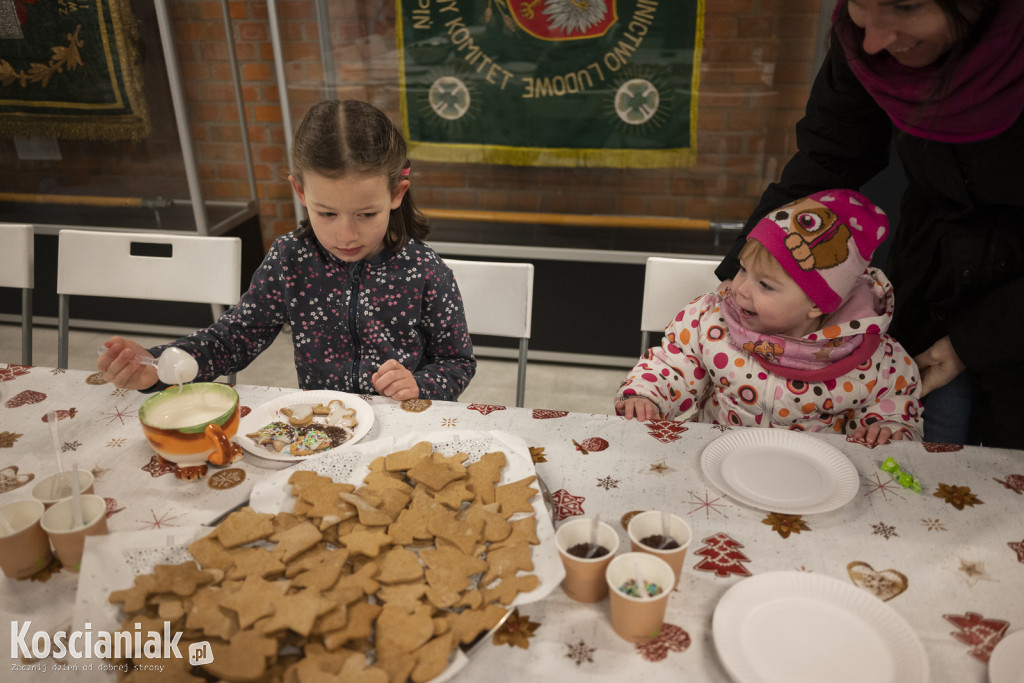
{"points": [[120, 365], [642, 409], [877, 434], [393, 380]]}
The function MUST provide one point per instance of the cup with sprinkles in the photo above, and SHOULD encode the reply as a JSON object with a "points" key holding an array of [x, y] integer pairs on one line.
{"points": [[639, 585]]}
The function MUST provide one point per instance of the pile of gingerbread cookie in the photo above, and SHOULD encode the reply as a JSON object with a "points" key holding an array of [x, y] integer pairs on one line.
{"points": [[308, 429], [378, 583]]}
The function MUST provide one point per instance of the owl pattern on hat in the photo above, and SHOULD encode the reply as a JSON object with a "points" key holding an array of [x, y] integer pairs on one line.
{"points": [[824, 242]]}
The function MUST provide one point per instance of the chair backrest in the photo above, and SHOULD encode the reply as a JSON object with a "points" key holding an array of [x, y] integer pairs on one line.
{"points": [[17, 269], [498, 299], [669, 284], [144, 265]]}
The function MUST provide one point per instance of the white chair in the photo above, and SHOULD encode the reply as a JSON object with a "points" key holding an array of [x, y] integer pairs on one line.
{"points": [[17, 269], [190, 268], [669, 284], [498, 298]]}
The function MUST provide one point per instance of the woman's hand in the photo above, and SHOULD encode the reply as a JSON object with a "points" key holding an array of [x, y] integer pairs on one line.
{"points": [[121, 367], [393, 380], [939, 366], [642, 409]]}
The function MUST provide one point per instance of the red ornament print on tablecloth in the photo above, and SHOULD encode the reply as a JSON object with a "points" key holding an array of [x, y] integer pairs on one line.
{"points": [[158, 467], [1014, 482], [112, 507], [62, 414], [1018, 548], [594, 444], [25, 398], [243, 411], [722, 556], [671, 639], [957, 496], [8, 439], [666, 431], [13, 371], [932, 447], [566, 504], [784, 524], [484, 408], [10, 479], [544, 414], [580, 652], [980, 633]]}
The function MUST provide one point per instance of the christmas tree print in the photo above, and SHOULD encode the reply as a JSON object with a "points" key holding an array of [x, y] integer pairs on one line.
{"points": [[722, 556], [981, 633]]}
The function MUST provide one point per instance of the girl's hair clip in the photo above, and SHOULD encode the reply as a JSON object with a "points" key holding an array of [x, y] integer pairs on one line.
{"points": [[406, 171]]}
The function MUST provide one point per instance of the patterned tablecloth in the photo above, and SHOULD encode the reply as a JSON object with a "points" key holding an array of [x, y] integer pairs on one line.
{"points": [[949, 560]]}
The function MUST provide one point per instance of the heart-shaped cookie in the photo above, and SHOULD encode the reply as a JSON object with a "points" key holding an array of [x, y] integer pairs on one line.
{"points": [[884, 585]]}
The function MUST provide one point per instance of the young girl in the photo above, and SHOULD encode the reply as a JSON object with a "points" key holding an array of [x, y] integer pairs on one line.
{"points": [[372, 308], [796, 341]]}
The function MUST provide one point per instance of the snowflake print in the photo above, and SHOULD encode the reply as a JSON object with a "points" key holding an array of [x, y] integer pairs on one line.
{"points": [[580, 653], [708, 504], [886, 488], [116, 443], [57, 371], [608, 483], [450, 422], [566, 504], [884, 530], [158, 522], [119, 393], [933, 525], [722, 428], [119, 415], [70, 446]]}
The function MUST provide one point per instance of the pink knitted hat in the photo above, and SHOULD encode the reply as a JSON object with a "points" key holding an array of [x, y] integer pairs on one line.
{"points": [[824, 242]]}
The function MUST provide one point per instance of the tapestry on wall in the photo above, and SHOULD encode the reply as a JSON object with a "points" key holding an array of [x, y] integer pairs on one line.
{"points": [[70, 69], [608, 83]]}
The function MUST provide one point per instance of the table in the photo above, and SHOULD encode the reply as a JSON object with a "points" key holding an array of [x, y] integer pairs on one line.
{"points": [[951, 557]]}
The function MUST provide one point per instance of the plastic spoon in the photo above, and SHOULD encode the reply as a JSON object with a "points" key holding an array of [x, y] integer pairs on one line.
{"points": [[665, 538], [641, 583], [593, 536], [59, 483], [174, 366], [76, 499]]}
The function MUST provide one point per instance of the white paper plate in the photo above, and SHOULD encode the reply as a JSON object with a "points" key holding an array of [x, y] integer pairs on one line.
{"points": [[780, 471], [790, 627], [270, 412], [1006, 664]]}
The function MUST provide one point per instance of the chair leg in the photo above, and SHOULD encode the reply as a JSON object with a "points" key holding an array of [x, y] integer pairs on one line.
{"points": [[521, 377], [62, 331], [26, 326], [645, 340]]}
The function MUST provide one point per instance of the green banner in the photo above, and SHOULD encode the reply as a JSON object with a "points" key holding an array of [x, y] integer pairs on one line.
{"points": [[608, 83], [70, 69]]}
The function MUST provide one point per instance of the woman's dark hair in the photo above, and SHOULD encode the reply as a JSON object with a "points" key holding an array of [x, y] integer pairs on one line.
{"points": [[337, 138], [968, 19]]}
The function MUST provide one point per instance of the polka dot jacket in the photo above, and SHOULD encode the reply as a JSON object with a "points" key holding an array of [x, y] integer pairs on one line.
{"points": [[346, 319], [850, 373]]}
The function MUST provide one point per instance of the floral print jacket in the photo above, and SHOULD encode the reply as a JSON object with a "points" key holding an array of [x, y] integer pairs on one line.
{"points": [[346, 319], [710, 368]]}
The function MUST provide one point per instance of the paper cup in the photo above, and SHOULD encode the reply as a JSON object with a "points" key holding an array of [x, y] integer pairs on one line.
{"points": [[648, 524], [67, 542], [26, 550], [52, 488], [584, 576], [638, 619]]}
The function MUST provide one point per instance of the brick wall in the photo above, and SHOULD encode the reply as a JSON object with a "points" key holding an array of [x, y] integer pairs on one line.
{"points": [[755, 73]]}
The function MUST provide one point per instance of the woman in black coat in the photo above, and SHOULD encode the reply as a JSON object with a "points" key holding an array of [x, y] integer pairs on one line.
{"points": [[942, 81]]}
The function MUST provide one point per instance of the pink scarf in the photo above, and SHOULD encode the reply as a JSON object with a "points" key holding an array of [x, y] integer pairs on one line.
{"points": [[984, 98]]}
